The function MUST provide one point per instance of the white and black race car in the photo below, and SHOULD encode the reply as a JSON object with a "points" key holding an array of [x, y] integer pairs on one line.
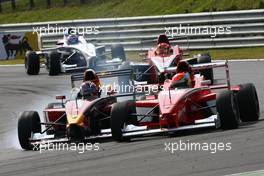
{"points": [[70, 57]]}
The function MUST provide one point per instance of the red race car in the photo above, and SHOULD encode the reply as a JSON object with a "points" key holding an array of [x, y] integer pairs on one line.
{"points": [[85, 116], [163, 56], [179, 106]]}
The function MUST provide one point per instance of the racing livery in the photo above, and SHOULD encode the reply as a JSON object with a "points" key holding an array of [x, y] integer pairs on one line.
{"points": [[179, 106], [74, 55]]}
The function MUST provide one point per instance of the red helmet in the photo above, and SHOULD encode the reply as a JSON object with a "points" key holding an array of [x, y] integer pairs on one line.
{"points": [[163, 49]]}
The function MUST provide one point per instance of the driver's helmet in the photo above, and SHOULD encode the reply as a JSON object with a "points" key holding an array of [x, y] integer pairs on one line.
{"points": [[72, 39], [90, 75], [163, 49], [184, 73], [88, 89], [183, 66]]}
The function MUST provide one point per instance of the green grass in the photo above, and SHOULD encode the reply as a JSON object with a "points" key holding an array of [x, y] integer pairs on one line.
{"points": [[125, 8], [116, 8], [238, 53], [235, 53], [11, 62]]}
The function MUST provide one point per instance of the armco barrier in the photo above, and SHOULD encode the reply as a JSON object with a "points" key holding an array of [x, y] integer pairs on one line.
{"points": [[247, 29]]}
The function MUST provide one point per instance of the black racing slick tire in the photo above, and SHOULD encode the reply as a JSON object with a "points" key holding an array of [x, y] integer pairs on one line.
{"points": [[121, 116], [208, 73], [118, 51], [32, 63], [54, 63], [228, 111], [28, 123], [248, 103]]}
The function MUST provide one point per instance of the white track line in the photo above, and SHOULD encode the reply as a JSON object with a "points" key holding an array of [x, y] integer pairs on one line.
{"points": [[250, 173], [16, 65]]}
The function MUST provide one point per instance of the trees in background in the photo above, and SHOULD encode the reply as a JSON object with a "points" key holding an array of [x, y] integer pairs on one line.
{"points": [[13, 4], [32, 3]]}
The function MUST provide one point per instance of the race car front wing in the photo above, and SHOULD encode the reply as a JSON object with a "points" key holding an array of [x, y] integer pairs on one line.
{"points": [[132, 131]]}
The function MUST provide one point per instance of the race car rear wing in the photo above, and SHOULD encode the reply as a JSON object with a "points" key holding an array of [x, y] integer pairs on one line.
{"points": [[198, 67], [104, 74], [205, 66]]}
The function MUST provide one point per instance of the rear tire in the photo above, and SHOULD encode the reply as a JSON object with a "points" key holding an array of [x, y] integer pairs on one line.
{"points": [[28, 123], [32, 63], [248, 103], [54, 63], [118, 52], [120, 116], [208, 73], [227, 109]]}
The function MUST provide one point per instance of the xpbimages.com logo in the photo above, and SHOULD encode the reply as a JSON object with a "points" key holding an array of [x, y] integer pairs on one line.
{"points": [[78, 147], [60, 30], [212, 147], [188, 30]]}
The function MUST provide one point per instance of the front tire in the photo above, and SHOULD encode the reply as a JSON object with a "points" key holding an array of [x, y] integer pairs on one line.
{"points": [[248, 103], [227, 109], [121, 116], [54, 64], [32, 63], [28, 123]]}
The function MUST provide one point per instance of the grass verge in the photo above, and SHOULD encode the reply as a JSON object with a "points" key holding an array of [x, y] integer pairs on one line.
{"points": [[234, 53], [12, 62], [116, 8]]}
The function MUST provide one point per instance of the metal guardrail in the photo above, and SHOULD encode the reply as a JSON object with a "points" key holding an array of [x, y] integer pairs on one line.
{"points": [[247, 30]]}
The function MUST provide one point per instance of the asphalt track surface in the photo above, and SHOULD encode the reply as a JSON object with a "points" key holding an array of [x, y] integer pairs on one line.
{"points": [[143, 156]]}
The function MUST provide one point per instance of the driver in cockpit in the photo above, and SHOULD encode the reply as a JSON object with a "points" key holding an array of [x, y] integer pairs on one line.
{"points": [[71, 37], [91, 84], [183, 76]]}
